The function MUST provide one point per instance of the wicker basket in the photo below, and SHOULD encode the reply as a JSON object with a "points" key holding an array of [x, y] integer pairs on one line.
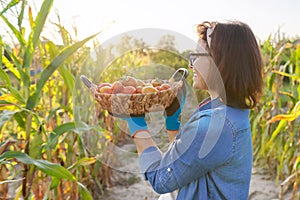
{"points": [[138, 104]]}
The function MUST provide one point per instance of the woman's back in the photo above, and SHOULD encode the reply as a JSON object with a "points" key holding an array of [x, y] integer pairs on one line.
{"points": [[229, 160]]}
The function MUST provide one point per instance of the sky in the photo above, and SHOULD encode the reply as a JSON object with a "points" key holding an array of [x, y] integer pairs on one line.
{"points": [[265, 17], [113, 17]]}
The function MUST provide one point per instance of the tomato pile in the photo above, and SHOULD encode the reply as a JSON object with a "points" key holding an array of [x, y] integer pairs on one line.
{"points": [[131, 85]]}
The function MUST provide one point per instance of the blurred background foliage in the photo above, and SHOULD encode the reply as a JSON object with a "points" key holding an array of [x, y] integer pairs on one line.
{"points": [[55, 141]]}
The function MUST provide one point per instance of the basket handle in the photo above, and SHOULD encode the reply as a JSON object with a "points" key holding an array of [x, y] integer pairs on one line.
{"points": [[179, 75]]}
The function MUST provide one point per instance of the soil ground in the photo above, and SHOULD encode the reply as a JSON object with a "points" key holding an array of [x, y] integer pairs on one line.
{"points": [[131, 186]]}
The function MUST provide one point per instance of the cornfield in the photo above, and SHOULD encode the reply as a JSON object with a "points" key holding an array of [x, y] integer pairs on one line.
{"points": [[53, 147], [276, 122]]}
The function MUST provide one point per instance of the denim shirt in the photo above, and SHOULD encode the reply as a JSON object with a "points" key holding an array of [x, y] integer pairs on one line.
{"points": [[210, 158]]}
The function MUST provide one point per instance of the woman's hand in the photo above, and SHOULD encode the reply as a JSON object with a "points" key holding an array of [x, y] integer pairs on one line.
{"points": [[138, 130], [136, 124]]}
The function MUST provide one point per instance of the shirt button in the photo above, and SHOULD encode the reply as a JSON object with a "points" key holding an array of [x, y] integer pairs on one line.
{"points": [[169, 169]]}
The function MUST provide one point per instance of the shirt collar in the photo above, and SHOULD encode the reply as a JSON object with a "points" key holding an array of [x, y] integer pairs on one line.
{"points": [[209, 104]]}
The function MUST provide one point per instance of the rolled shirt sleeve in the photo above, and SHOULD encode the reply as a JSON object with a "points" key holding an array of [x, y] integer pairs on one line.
{"points": [[183, 162], [150, 159]]}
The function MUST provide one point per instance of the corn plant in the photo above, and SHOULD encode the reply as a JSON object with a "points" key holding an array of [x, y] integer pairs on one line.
{"points": [[276, 124], [36, 114]]}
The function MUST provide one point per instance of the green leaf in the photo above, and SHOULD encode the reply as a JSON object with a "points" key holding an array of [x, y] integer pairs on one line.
{"points": [[45, 166], [294, 77], [4, 77], [5, 116], [21, 15], [84, 192], [1, 53], [36, 144], [271, 80], [10, 67], [5, 102], [31, 22], [25, 77], [281, 126], [57, 61], [64, 34], [297, 164], [59, 130], [15, 31], [20, 156], [54, 183], [296, 109], [51, 113], [83, 162], [54, 169], [15, 93], [68, 77], [36, 32], [20, 117], [9, 6]]}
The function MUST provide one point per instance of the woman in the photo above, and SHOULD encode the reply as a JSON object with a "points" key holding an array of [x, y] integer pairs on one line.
{"points": [[210, 157]]}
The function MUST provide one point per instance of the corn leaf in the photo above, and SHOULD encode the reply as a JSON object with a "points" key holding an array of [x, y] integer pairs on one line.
{"points": [[1, 51], [9, 6], [281, 126], [15, 31], [4, 77], [64, 34], [31, 22], [271, 80], [297, 164], [52, 112], [54, 183], [22, 157], [20, 118], [11, 67], [294, 77], [36, 144], [53, 169], [24, 76], [296, 109], [45, 166], [36, 32], [8, 102], [68, 77], [57, 61], [289, 117], [85, 194], [290, 95], [82, 162], [5, 116], [59, 130], [15, 93], [21, 14]]}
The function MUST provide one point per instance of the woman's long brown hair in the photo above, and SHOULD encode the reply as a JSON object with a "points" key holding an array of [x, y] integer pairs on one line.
{"points": [[237, 55]]}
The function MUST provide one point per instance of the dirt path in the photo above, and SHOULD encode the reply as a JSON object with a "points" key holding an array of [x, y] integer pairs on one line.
{"points": [[131, 186]]}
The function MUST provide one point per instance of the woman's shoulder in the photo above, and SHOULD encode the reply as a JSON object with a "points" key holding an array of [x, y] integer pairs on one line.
{"points": [[222, 115]]}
